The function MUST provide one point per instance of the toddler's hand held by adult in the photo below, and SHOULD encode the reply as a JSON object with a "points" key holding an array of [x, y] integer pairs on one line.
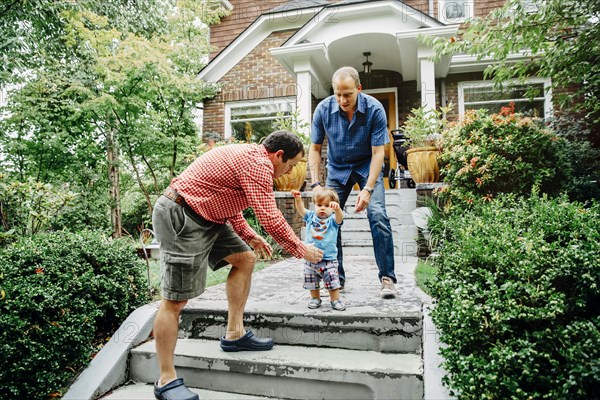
{"points": [[313, 254]]}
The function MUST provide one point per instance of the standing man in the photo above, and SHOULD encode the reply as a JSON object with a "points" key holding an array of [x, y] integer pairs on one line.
{"points": [[356, 128], [199, 223]]}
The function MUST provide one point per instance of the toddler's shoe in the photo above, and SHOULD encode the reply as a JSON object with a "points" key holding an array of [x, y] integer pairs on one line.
{"points": [[338, 305], [314, 303]]}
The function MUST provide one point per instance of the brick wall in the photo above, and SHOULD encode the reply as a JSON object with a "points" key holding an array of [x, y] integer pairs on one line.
{"points": [[257, 76], [244, 13], [285, 203]]}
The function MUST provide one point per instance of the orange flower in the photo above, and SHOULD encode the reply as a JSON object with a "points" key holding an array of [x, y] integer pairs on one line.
{"points": [[508, 110], [479, 181], [39, 270], [474, 161], [488, 197]]}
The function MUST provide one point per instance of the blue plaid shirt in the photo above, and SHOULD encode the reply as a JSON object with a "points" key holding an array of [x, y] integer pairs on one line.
{"points": [[349, 142]]}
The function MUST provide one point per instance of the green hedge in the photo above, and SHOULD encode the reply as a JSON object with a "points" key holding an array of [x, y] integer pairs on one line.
{"points": [[487, 155], [61, 294], [518, 291]]}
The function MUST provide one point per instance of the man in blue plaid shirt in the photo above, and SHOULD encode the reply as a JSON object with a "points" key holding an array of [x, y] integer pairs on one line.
{"points": [[356, 128]]}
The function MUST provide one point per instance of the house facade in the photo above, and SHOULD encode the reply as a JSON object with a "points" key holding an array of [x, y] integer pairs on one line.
{"points": [[275, 59]]}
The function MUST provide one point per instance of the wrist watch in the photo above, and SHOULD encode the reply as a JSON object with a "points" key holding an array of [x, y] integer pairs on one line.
{"points": [[368, 189], [314, 185]]}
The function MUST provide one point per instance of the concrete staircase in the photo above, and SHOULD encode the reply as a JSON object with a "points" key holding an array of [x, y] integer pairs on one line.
{"points": [[373, 350], [356, 233]]}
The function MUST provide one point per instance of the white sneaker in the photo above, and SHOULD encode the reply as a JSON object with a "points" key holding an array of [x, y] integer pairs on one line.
{"points": [[388, 289]]}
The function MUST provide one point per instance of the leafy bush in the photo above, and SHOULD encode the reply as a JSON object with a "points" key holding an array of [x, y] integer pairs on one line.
{"points": [[28, 207], [60, 293], [581, 159], [518, 290], [486, 155], [254, 224]]}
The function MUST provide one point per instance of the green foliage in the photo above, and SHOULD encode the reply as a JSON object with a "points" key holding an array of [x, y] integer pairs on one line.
{"points": [[293, 123], [564, 34], [581, 160], [423, 127], [425, 274], [60, 294], [254, 224], [486, 155], [518, 292], [27, 208]]}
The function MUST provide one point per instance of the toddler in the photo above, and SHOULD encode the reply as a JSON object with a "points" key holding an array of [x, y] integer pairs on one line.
{"points": [[322, 226]]}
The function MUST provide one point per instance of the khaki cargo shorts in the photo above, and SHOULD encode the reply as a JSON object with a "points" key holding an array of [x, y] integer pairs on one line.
{"points": [[188, 245]]}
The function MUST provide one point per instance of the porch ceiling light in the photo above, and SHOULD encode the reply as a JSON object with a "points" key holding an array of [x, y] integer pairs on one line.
{"points": [[367, 64]]}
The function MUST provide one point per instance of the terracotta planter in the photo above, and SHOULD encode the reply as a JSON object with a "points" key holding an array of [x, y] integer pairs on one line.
{"points": [[422, 164], [293, 180]]}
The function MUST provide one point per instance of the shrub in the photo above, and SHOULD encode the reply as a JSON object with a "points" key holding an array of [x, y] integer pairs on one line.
{"points": [[28, 207], [58, 293], [486, 155], [518, 290], [581, 159]]}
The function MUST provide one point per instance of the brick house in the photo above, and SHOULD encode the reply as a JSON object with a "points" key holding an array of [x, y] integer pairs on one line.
{"points": [[278, 57]]}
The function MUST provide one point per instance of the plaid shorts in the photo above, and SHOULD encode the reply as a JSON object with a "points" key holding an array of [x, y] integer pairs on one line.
{"points": [[327, 270]]}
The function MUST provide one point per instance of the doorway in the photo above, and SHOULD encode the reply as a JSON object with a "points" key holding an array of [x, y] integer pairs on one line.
{"points": [[388, 98]]}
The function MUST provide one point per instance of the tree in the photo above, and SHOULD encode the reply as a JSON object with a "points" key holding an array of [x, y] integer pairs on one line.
{"points": [[561, 39], [145, 91], [115, 75]]}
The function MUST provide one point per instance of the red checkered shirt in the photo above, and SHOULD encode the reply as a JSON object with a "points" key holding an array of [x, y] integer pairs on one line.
{"points": [[226, 180]]}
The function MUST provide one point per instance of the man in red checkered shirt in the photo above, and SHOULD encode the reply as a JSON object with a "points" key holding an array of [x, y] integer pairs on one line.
{"points": [[199, 224]]}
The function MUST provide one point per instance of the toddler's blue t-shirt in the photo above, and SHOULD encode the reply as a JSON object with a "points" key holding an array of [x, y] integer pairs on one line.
{"points": [[322, 233]]}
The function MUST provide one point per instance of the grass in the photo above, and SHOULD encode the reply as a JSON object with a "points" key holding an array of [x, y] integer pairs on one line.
{"points": [[425, 273], [212, 277]]}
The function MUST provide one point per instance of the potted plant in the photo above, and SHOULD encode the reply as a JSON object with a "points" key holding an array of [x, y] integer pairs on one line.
{"points": [[423, 131], [295, 179]]}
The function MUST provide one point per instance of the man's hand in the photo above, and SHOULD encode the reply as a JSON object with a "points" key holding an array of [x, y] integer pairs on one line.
{"points": [[313, 254], [261, 247], [362, 201]]}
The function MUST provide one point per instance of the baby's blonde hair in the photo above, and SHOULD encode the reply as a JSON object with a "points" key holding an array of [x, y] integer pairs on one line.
{"points": [[325, 194]]}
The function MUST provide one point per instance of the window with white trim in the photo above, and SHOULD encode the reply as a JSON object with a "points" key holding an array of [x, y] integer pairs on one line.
{"points": [[533, 97], [253, 120], [455, 11]]}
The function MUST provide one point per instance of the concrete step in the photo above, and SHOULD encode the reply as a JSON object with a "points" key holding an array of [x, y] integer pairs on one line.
{"points": [[401, 233], [357, 328], [277, 308], [145, 391], [351, 220], [393, 194], [404, 206], [365, 247], [291, 372]]}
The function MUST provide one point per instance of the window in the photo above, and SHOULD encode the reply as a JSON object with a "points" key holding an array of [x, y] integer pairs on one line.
{"points": [[481, 95], [252, 121], [455, 11]]}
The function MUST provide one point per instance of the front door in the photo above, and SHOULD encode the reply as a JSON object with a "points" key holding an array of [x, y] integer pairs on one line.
{"points": [[387, 97]]}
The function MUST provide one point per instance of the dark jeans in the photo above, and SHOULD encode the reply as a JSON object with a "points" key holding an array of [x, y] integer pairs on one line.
{"points": [[381, 230]]}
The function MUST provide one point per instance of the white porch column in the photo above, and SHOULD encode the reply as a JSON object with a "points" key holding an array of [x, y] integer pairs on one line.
{"points": [[303, 99], [426, 78], [303, 93]]}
